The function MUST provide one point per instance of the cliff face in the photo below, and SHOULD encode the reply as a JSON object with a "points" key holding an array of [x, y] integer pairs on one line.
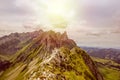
{"points": [[51, 40], [51, 56]]}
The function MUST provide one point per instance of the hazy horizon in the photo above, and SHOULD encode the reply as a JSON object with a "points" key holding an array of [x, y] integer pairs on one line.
{"points": [[92, 23]]}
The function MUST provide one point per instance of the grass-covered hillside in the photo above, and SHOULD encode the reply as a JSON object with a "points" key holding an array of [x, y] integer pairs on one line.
{"points": [[61, 64], [108, 68]]}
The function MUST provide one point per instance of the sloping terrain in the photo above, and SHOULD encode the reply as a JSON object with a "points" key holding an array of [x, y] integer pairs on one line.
{"points": [[107, 60], [108, 68], [10, 44], [51, 56]]}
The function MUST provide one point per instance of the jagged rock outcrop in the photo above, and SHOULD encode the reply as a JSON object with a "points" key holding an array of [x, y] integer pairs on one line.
{"points": [[52, 40], [45, 43], [15, 41]]}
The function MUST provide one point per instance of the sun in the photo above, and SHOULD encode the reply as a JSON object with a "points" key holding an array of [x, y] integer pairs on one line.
{"points": [[59, 13]]}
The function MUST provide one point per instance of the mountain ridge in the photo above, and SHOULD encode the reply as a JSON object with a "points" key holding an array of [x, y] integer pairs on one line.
{"points": [[51, 56]]}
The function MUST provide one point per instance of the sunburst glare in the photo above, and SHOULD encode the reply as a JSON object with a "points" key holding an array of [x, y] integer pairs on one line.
{"points": [[58, 13]]}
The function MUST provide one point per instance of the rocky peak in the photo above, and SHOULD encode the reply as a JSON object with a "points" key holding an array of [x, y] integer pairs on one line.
{"points": [[51, 40], [10, 44], [64, 35]]}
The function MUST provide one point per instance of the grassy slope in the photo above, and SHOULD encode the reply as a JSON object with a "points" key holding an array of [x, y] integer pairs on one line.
{"points": [[109, 73], [105, 61], [2, 57], [78, 70]]}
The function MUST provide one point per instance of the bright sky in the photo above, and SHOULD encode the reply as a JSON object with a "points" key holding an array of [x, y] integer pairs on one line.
{"points": [[88, 22]]}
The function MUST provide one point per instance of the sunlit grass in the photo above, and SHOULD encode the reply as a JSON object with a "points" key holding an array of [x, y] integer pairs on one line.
{"points": [[110, 73]]}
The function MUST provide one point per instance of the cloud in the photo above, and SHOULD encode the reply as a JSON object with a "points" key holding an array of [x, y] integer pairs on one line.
{"points": [[12, 13], [99, 13], [11, 7]]}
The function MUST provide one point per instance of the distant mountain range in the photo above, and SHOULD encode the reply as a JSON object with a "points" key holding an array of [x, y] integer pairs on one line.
{"points": [[44, 55], [104, 53], [107, 60]]}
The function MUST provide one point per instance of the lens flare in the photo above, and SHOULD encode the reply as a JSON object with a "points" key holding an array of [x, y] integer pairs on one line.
{"points": [[59, 13]]}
